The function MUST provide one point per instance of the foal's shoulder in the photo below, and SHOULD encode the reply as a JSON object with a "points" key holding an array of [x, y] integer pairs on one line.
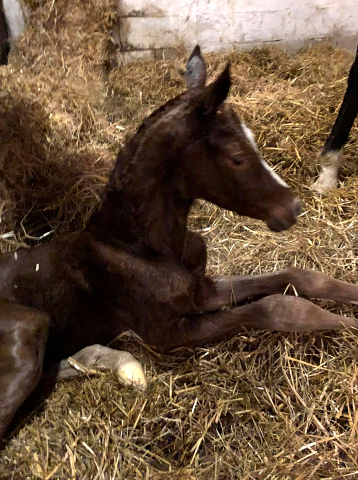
{"points": [[153, 272]]}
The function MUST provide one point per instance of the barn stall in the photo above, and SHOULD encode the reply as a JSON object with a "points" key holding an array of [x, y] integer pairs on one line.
{"points": [[258, 406]]}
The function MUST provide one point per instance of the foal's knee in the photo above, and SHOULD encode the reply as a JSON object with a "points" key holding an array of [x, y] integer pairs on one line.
{"points": [[19, 317], [23, 336]]}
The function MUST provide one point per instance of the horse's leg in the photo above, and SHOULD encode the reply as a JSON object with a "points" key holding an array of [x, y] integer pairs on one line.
{"points": [[228, 290], [4, 38], [194, 259], [331, 155], [97, 358], [276, 312], [194, 255], [329, 163], [23, 336]]}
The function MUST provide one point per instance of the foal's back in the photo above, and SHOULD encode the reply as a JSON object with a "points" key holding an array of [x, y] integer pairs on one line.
{"points": [[92, 291]]}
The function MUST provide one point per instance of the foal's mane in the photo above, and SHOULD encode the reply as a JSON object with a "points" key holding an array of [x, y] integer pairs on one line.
{"points": [[128, 150], [159, 112], [124, 179]]}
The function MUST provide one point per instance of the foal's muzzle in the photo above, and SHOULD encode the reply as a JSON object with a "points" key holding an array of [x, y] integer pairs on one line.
{"points": [[284, 217]]}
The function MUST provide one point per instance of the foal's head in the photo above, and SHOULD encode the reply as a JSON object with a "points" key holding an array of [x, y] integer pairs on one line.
{"points": [[221, 162]]}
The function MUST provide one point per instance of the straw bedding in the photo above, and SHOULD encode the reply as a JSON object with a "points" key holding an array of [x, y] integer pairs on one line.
{"points": [[258, 406]]}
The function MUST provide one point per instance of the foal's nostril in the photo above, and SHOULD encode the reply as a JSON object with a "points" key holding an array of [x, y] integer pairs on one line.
{"points": [[297, 207]]}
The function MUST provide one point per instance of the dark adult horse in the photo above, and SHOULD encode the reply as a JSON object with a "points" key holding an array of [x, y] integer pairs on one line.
{"points": [[136, 266], [331, 155]]}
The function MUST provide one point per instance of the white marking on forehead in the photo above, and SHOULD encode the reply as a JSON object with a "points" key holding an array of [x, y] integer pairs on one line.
{"points": [[251, 138], [249, 135], [274, 174]]}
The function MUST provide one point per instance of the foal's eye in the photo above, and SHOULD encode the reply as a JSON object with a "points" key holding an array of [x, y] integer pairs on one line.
{"points": [[237, 161]]}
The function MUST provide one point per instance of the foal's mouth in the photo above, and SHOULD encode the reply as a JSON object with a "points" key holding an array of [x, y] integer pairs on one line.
{"points": [[285, 217]]}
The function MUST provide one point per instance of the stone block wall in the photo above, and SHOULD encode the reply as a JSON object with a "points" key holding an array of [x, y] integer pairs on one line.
{"points": [[162, 28]]}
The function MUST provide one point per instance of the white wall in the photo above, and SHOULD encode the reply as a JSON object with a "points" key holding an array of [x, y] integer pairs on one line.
{"points": [[149, 28]]}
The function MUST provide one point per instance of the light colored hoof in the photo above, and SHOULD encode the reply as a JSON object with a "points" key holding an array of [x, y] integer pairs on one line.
{"points": [[131, 374], [322, 185], [98, 358], [328, 177]]}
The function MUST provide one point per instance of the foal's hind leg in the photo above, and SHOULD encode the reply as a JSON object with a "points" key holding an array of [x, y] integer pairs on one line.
{"points": [[228, 290], [23, 335], [276, 312], [97, 358]]}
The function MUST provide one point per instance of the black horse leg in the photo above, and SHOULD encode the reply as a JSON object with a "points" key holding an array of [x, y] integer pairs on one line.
{"points": [[4, 37], [331, 155]]}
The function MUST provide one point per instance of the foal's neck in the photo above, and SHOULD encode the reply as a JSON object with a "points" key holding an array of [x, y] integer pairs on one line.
{"points": [[142, 206]]}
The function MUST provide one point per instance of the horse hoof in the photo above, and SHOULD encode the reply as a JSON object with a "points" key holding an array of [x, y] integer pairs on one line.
{"points": [[95, 359], [323, 186], [130, 374]]}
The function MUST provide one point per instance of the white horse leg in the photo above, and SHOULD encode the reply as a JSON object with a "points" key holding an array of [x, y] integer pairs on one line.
{"points": [[97, 358], [328, 177]]}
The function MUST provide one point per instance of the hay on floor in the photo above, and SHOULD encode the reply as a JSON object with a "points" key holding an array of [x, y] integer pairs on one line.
{"points": [[259, 406]]}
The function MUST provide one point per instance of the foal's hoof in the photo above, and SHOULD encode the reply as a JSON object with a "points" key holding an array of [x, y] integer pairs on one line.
{"points": [[97, 358], [130, 374]]}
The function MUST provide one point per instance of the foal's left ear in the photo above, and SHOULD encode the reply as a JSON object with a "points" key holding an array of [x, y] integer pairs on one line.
{"points": [[195, 72], [216, 92]]}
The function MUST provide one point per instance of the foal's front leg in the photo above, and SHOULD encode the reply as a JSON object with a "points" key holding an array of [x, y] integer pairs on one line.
{"points": [[195, 254], [23, 336], [229, 290], [275, 312]]}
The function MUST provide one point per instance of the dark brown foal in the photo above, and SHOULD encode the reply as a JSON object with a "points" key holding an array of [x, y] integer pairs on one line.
{"points": [[136, 266]]}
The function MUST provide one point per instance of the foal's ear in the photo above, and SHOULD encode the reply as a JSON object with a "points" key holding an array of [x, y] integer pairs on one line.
{"points": [[216, 92], [195, 72]]}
